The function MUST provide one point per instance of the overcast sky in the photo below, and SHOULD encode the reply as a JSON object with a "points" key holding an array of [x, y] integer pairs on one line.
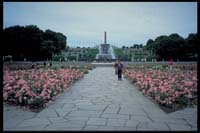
{"points": [[126, 23]]}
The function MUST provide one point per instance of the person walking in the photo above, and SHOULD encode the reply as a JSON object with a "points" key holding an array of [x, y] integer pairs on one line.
{"points": [[116, 66], [119, 68]]}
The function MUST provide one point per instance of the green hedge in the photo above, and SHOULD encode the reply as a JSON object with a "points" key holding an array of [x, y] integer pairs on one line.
{"points": [[58, 57]]}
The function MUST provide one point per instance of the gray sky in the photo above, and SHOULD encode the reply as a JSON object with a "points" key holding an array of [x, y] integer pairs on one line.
{"points": [[126, 23]]}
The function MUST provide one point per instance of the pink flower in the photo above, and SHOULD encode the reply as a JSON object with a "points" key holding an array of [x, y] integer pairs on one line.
{"points": [[15, 86], [188, 83], [21, 82], [8, 88], [45, 86], [43, 93], [18, 94]]}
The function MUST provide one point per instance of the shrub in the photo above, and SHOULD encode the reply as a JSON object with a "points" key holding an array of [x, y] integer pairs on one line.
{"points": [[38, 101]]}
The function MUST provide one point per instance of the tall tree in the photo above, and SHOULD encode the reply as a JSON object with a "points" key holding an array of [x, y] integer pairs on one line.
{"points": [[27, 41], [149, 44], [192, 44]]}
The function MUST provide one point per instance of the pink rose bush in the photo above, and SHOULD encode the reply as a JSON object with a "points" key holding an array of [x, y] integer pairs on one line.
{"points": [[168, 87], [35, 87]]}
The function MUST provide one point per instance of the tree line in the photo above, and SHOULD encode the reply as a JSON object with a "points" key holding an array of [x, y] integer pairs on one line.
{"points": [[32, 43], [174, 47]]}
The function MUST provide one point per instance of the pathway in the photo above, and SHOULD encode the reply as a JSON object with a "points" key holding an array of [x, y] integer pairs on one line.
{"points": [[100, 102]]}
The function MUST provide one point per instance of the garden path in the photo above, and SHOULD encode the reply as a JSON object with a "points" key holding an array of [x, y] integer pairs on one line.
{"points": [[100, 102]]}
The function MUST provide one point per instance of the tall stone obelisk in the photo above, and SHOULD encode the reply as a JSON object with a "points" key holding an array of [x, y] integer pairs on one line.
{"points": [[105, 37]]}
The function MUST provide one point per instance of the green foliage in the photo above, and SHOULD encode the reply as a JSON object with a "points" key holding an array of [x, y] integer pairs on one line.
{"points": [[32, 43], [58, 41], [91, 54], [138, 54], [71, 58], [149, 44], [83, 54], [174, 47], [192, 45], [182, 100], [58, 58], [36, 102], [119, 53]]}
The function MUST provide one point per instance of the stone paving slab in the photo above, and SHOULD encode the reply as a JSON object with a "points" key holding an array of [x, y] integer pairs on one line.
{"points": [[115, 116], [140, 118], [132, 111], [169, 120], [11, 124], [55, 120], [68, 105], [30, 128], [100, 102], [112, 110], [116, 122], [97, 121], [194, 129], [66, 125], [179, 127], [132, 123], [85, 113], [191, 122], [47, 113], [92, 107], [98, 128], [63, 112], [79, 118], [120, 128], [34, 122], [153, 126]]}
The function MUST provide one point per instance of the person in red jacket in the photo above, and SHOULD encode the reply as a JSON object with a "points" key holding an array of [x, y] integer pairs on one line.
{"points": [[116, 65]]}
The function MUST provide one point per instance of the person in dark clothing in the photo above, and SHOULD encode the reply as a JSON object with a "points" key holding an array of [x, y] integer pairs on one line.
{"points": [[33, 66], [120, 68]]}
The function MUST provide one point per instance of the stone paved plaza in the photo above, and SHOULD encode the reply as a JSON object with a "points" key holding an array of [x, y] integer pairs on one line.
{"points": [[100, 102]]}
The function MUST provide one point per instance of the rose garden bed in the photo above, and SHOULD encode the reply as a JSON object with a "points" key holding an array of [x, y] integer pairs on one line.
{"points": [[35, 88], [172, 88]]}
